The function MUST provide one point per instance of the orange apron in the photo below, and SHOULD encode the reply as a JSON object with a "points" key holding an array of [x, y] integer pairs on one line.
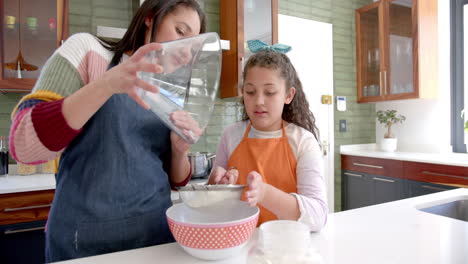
{"points": [[270, 157]]}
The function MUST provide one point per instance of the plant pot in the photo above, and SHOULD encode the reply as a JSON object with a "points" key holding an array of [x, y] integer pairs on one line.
{"points": [[388, 144]]}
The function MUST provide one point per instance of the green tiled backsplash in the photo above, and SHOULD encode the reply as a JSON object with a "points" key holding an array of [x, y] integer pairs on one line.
{"points": [[86, 15]]}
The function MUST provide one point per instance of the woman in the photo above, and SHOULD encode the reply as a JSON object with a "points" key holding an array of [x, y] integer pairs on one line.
{"points": [[118, 161]]}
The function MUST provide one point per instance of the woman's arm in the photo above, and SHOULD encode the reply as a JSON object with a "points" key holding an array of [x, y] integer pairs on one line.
{"points": [[45, 121], [84, 103]]}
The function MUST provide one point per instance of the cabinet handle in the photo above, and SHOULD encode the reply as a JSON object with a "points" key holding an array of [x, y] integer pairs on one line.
{"points": [[352, 174], [442, 174], [367, 165], [385, 82], [383, 180], [26, 208], [380, 82], [433, 188], [9, 232]]}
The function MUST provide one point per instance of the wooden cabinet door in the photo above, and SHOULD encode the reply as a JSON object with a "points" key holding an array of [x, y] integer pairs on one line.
{"points": [[25, 207], [31, 32], [401, 40], [240, 21], [369, 50], [456, 176], [376, 166], [395, 50]]}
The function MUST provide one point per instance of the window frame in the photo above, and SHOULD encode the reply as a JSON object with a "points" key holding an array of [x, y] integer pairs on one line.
{"points": [[456, 72]]}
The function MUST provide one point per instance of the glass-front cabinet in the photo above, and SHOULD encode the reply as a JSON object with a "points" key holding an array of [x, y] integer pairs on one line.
{"points": [[369, 51], [240, 21], [391, 58], [30, 33]]}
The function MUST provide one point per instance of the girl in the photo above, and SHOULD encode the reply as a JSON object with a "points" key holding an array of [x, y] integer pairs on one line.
{"points": [[118, 161], [275, 150]]}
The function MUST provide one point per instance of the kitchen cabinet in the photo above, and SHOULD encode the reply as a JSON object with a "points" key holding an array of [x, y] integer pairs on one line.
{"points": [[30, 33], [369, 181], [22, 222], [240, 21], [23, 243], [395, 50], [356, 190], [418, 188], [362, 189], [456, 176], [386, 189]]}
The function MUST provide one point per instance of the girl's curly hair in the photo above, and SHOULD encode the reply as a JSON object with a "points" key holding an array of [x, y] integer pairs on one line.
{"points": [[296, 112]]}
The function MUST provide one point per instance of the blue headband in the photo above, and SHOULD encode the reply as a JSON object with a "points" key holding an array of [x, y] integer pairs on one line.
{"points": [[257, 45]]}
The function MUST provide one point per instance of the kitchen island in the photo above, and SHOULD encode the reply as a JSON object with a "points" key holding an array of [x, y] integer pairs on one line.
{"points": [[395, 232]]}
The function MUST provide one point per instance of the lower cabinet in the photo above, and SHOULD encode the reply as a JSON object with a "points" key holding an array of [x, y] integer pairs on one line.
{"points": [[23, 217], [369, 181], [417, 188], [22, 243], [363, 189], [356, 190], [386, 189]]}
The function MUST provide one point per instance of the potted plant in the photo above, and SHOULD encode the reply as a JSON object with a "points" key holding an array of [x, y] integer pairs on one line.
{"points": [[389, 118]]}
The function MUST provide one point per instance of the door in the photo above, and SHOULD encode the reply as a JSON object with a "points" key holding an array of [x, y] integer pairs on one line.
{"points": [[356, 190], [386, 189], [371, 75], [312, 56], [22, 243]]}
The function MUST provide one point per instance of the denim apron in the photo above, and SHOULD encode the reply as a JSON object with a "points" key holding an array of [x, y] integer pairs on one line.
{"points": [[112, 186]]}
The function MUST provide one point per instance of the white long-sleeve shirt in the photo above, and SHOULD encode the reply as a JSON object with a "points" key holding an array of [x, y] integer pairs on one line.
{"points": [[311, 194]]}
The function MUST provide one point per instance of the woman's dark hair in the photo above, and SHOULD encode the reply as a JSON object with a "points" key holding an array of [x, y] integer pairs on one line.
{"points": [[134, 38], [296, 112]]}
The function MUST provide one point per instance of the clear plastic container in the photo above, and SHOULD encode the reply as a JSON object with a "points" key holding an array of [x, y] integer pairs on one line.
{"points": [[189, 82], [283, 242]]}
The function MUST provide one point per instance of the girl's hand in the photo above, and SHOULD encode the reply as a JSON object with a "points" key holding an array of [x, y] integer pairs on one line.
{"points": [[216, 175], [188, 126], [257, 188], [123, 77], [220, 176]]}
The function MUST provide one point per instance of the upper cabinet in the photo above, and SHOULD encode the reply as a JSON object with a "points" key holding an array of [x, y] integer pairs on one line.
{"points": [[240, 21], [30, 33], [397, 51]]}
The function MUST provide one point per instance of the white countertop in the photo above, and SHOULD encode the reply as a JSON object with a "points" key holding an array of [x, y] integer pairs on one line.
{"points": [[39, 182], [394, 232], [371, 150], [26, 183]]}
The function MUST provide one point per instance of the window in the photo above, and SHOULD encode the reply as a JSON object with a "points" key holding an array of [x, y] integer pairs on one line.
{"points": [[459, 58]]}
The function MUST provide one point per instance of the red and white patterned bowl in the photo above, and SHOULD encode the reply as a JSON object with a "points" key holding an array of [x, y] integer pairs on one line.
{"points": [[212, 233]]}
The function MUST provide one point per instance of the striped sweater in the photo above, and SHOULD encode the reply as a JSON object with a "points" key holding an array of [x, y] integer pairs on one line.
{"points": [[39, 131]]}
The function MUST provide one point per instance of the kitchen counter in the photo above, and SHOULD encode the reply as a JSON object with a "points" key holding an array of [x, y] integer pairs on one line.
{"points": [[395, 232], [26, 183], [39, 182], [372, 151]]}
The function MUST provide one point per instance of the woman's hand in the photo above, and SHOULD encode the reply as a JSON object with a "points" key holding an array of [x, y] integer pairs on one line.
{"points": [[123, 78], [257, 188], [188, 126], [220, 176]]}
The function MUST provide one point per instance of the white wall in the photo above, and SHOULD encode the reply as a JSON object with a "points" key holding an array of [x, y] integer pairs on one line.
{"points": [[427, 125]]}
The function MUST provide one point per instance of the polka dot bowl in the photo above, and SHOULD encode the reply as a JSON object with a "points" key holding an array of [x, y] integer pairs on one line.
{"points": [[213, 233]]}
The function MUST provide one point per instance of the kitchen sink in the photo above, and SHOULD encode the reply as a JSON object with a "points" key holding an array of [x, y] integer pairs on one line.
{"points": [[457, 209]]}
